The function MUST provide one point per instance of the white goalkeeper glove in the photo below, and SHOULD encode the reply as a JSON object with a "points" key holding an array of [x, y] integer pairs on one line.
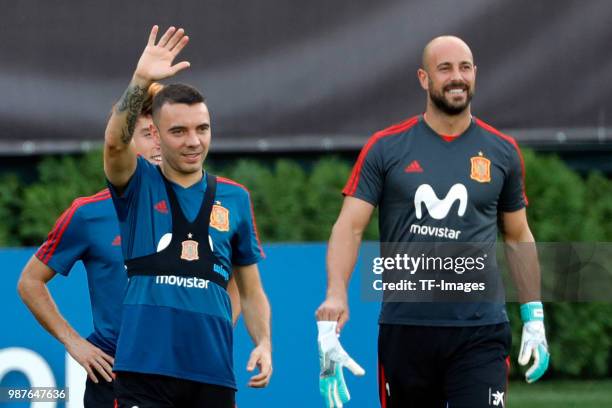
{"points": [[333, 358], [533, 341]]}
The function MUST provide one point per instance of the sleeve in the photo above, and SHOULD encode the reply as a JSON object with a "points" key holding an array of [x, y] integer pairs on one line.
{"points": [[367, 178], [513, 196], [66, 243], [127, 200], [246, 247]]}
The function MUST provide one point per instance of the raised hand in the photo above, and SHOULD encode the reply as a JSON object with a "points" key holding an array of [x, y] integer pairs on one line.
{"points": [[156, 60]]}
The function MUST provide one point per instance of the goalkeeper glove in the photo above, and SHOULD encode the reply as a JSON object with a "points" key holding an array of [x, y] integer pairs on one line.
{"points": [[533, 341], [333, 358]]}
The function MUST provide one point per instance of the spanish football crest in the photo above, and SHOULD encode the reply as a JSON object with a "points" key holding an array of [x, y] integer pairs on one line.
{"points": [[190, 249], [219, 217], [481, 168]]}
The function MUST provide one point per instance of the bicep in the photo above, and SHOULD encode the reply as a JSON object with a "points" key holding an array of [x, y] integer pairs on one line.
{"points": [[355, 213], [37, 271], [119, 164], [247, 279]]}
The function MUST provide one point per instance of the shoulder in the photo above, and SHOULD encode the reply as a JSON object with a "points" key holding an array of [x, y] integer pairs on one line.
{"points": [[96, 204], [505, 140], [384, 135], [232, 187]]}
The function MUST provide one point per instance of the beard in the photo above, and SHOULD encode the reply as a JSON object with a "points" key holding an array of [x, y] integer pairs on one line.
{"points": [[448, 107]]}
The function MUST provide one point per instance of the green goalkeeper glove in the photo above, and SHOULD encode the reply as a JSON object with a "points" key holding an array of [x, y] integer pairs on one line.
{"points": [[533, 341], [333, 358]]}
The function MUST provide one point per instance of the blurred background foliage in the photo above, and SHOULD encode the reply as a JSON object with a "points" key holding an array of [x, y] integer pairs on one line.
{"points": [[299, 202]]}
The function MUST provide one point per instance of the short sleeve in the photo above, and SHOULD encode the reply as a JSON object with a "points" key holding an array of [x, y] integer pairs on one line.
{"points": [[513, 196], [367, 178], [246, 247], [66, 243]]}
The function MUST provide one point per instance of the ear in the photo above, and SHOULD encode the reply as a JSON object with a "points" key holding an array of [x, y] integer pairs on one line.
{"points": [[423, 78]]}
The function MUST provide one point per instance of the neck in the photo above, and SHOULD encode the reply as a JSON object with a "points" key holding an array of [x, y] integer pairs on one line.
{"points": [[182, 179], [444, 124]]}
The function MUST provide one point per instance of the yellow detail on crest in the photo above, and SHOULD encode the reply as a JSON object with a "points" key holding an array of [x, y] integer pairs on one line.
{"points": [[219, 218], [190, 250], [481, 169]]}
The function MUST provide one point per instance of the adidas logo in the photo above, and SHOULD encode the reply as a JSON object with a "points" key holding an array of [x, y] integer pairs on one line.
{"points": [[161, 207], [117, 241], [413, 167]]}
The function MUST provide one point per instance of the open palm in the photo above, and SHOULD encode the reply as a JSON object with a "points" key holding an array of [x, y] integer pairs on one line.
{"points": [[156, 60]]}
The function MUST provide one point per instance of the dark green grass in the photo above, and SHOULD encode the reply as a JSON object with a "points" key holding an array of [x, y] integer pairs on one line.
{"points": [[560, 394]]}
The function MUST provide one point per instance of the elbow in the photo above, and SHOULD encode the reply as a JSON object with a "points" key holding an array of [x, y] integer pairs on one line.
{"points": [[347, 229], [23, 288]]}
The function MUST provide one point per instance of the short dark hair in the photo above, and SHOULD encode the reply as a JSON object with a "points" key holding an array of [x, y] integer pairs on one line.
{"points": [[176, 93]]}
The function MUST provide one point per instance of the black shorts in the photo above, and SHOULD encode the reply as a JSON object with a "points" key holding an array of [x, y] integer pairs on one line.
{"points": [[440, 367], [160, 391], [100, 395]]}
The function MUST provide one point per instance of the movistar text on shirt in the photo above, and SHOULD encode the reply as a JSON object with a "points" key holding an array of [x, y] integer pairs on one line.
{"points": [[182, 281]]}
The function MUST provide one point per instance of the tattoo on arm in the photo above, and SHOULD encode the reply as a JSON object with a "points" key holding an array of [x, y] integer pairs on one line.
{"points": [[131, 102]]}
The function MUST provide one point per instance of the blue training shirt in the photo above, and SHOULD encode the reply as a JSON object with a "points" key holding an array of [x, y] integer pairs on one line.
{"points": [[181, 328], [88, 231]]}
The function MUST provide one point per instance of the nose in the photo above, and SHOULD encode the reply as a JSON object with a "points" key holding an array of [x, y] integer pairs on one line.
{"points": [[192, 139], [456, 74]]}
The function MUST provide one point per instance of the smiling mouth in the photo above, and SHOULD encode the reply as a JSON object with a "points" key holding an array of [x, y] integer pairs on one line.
{"points": [[156, 158], [191, 156], [456, 91]]}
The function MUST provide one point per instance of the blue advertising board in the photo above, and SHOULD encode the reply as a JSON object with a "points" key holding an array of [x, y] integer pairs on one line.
{"points": [[294, 279]]}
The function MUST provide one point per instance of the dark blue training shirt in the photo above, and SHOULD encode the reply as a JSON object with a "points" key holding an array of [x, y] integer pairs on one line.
{"points": [[87, 231], [429, 189], [181, 327]]}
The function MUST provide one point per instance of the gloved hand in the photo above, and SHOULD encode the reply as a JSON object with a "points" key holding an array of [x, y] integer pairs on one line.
{"points": [[333, 358], [533, 341]]}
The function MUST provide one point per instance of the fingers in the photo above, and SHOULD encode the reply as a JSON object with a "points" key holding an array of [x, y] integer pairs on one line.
{"points": [[263, 361], [534, 366], [90, 373], [180, 45], [179, 67], [108, 358], [342, 319], [103, 368], [353, 367], [525, 353], [166, 37], [153, 35], [176, 37]]}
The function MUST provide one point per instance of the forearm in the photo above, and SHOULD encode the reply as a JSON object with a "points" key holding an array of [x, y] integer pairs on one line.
{"points": [[120, 128], [522, 256], [119, 154], [37, 298], [342, 252], [256, 312]]}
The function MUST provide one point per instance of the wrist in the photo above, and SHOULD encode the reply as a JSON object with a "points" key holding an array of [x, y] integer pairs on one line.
{"points": [[532, 311], [337, 291], [141, 81], [265, 343]]}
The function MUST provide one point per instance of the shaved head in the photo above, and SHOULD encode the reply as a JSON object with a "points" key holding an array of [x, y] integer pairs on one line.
{"points": [[439, 47], [448, 75]]}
